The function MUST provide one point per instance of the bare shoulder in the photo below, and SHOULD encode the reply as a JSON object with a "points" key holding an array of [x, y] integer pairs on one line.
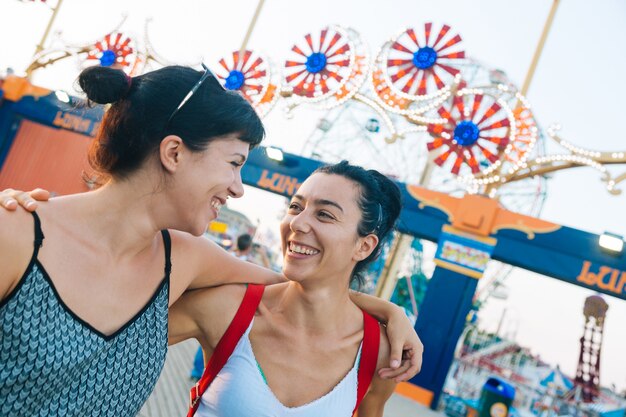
{"points": [[17, 236], [190, 249], [15, 221], [197, 262], [189, 255], [189, 246]]}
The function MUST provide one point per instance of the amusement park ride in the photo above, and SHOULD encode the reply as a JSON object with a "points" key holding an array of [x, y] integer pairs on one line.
{"points": [[588, 372], [460, 139]]}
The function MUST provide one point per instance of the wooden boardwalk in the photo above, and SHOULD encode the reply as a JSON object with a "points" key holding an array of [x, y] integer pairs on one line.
{"points": [[171, 394]]}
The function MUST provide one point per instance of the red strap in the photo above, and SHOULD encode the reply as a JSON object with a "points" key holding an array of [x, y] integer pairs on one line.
{"points": [[227, 343], [369, 357]]}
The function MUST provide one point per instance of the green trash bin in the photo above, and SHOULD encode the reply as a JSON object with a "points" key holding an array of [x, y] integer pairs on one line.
{"points": [[496, 398]]}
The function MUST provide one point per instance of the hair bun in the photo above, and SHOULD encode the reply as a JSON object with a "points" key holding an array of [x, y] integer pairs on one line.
{"points": [[390, 196], [104, 85]]}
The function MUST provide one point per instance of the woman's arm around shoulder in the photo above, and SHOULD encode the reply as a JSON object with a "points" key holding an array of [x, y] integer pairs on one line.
{"points": [[204, 314], [198, 262], [17, 237], [380, 389]]}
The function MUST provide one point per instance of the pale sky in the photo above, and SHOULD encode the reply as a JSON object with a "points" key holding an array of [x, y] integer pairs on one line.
{"points": [[579, 83]]}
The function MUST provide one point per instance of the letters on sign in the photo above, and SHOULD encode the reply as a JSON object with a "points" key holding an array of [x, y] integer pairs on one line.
{"points": [[607, 279], [76, 123], [278, 183], [466, 256]]}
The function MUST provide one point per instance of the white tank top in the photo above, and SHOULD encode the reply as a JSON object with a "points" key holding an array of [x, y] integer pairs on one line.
{"points": [[239, 390]]}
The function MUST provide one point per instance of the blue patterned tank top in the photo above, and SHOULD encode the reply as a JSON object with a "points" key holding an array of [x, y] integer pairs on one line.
{"points": [[52, 363]]}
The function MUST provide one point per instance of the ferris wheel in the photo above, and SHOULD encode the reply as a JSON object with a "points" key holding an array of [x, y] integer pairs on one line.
{"points": [[502, 118], [354, 132]]}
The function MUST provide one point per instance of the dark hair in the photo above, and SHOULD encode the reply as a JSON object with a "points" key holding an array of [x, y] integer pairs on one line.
{"points": [[244, 241], [133, 127], [380, 202]]}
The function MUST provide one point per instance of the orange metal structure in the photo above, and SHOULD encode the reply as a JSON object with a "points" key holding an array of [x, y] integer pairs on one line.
{"points": [[42, 156]]}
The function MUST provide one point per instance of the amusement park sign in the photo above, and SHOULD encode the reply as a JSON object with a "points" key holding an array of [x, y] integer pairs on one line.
{"points": [[467, 256], [523, 241], [76, 123], [606, 279], [278, 183]]}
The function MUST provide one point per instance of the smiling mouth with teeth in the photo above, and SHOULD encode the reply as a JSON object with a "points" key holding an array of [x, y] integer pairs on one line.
{"points": [[216, 205], [302, 249]]}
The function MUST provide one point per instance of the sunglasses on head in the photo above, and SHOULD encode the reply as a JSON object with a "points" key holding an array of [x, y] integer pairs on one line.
{"points": [[207, 73]]}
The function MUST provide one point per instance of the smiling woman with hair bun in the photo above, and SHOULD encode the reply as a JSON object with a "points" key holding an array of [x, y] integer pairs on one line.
{"points": [[83, 309]]}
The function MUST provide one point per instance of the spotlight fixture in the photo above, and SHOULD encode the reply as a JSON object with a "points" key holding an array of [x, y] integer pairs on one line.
{"points": [[611, 242]]}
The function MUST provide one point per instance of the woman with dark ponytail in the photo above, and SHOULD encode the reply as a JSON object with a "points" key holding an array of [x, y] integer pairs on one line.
{"points": [[380, 204], [84, 309], [83, 315], [308, 350]]}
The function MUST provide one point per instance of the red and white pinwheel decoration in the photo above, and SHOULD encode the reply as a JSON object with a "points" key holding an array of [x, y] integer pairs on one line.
{"points": [[476, 133], [420, 65], [250, 74], [320, 65], [114, 50]]}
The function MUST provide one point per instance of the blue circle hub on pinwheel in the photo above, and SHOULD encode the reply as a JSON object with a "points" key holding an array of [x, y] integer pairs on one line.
{"points": [[315, 62], [235, 80], [466, 133], [425, 57], [108, 58]]}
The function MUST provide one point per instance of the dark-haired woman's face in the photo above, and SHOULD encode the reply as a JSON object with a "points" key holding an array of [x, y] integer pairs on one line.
{"points": [[208, 179], [319, 232]]}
